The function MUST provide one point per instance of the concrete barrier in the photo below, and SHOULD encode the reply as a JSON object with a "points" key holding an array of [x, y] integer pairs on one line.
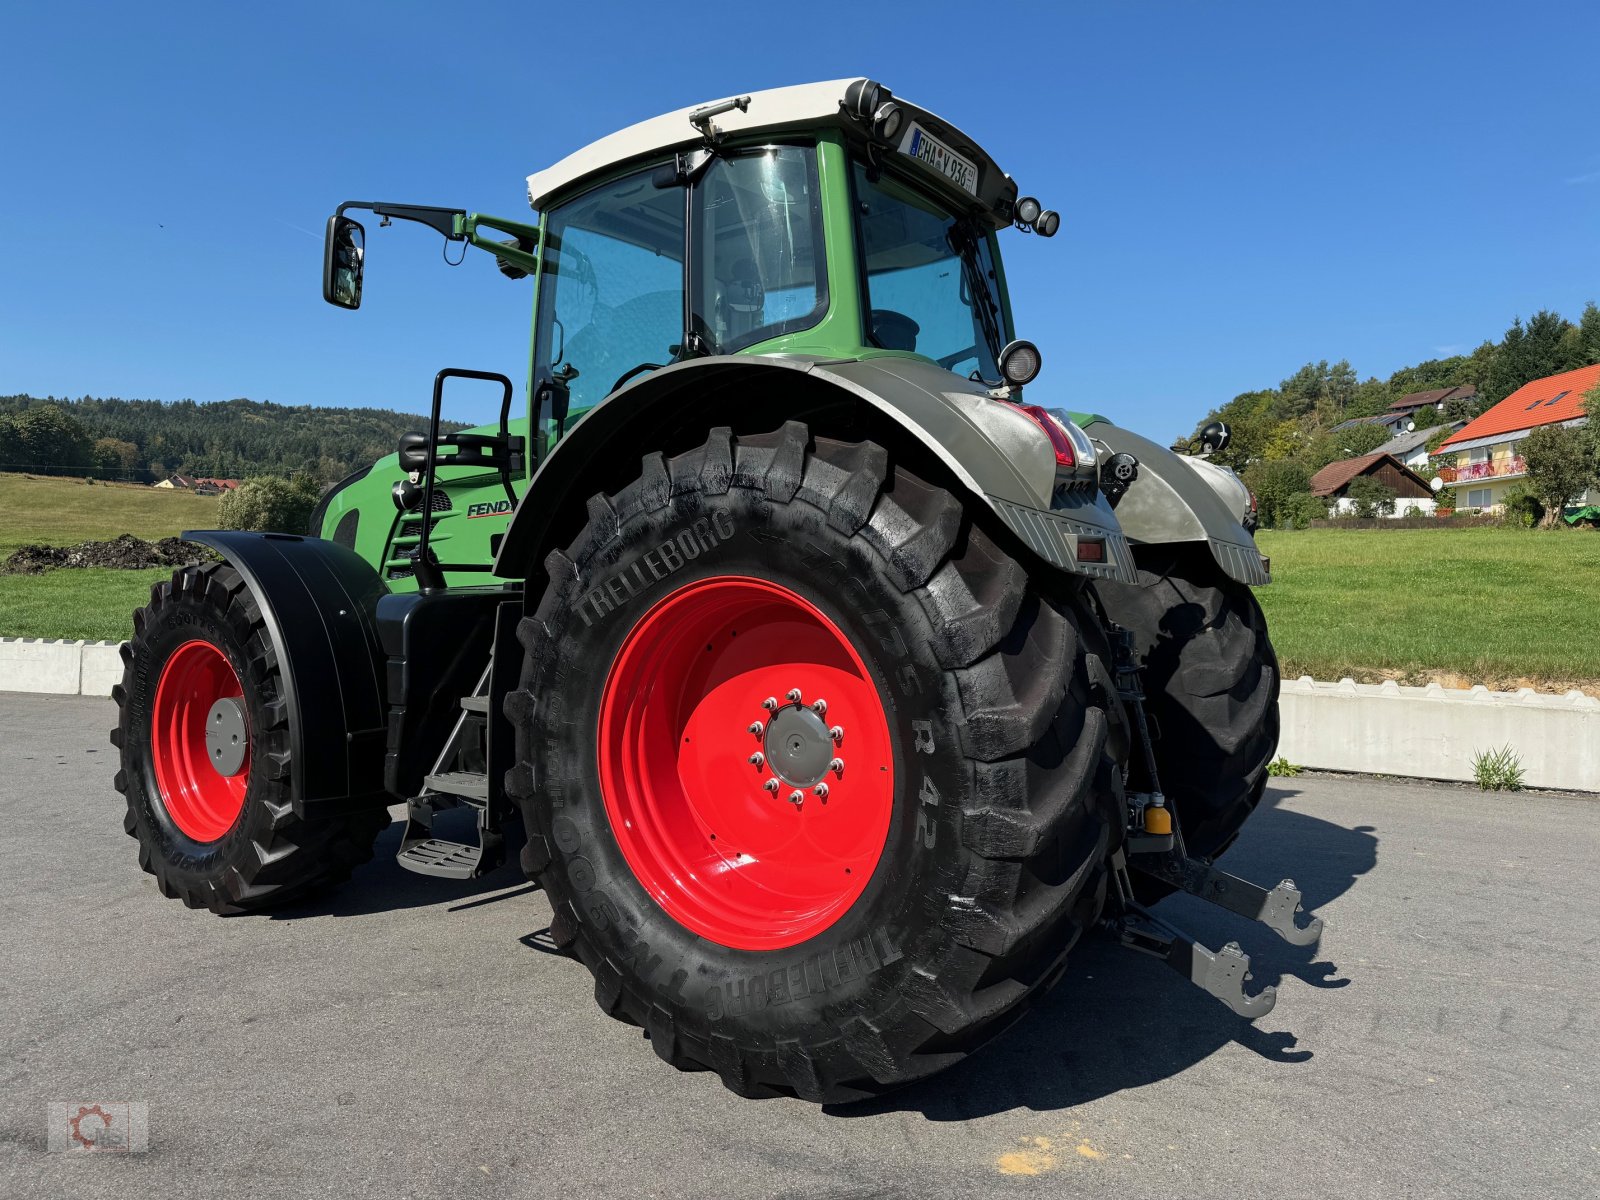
{"points": [[59, 668], [1433, 732], [1373, 729]]}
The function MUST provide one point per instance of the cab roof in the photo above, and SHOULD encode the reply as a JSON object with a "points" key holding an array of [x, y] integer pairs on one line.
{"points": [[777, 110]]}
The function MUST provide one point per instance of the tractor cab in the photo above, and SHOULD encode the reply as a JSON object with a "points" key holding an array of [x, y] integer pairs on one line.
{"points": [[829, 221]]}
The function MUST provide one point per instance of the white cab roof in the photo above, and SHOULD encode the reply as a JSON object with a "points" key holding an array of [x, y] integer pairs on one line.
{"points": [[778, 108]]}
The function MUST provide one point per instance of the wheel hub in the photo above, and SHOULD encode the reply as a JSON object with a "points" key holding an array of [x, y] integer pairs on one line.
{"points": [[797, 746], [226, 737]]}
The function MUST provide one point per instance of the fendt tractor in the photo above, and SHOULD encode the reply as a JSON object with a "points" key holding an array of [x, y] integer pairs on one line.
{"points": [[828, 687]]}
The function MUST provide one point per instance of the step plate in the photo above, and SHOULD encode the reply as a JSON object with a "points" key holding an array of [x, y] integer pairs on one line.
{"points": [[447, 860]]}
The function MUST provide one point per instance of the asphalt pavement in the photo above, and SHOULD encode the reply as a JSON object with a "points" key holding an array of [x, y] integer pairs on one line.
{"points": [[408, 1037]]}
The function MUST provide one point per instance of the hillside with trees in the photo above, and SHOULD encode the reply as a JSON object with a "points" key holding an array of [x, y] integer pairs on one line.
{"points": [[145, 440], [1284, 435]]}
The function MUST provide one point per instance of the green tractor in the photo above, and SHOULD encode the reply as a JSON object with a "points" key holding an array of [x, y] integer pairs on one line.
{"points": [[828, 687]]}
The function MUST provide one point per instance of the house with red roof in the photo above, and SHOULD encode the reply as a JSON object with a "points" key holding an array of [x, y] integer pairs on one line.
{"points": [[1483, 459]]}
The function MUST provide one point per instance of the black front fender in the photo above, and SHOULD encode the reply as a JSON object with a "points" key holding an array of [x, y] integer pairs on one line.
{"points": [[319, 603]]}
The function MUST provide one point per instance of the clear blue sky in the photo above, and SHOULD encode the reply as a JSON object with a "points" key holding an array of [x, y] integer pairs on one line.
{"points": [[1244, 186]]}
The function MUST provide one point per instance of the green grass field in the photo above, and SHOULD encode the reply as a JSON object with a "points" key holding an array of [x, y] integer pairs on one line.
{"points": [[1487, 605], [61, 512], [90, 602]]}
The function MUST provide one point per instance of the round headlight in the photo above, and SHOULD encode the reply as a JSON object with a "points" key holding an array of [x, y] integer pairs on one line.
{"points": [[1028, 210], [862, 98], [406, 495], [1020, 363], [1049, 221], [886, 121]]}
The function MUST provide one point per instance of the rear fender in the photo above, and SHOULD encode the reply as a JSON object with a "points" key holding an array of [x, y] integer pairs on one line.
{"points": [[1172, 502], [944, 428], [319, 603]]}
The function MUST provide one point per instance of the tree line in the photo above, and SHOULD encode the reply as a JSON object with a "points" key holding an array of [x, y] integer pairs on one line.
{"points": [[1282, 436], [147, 440]]}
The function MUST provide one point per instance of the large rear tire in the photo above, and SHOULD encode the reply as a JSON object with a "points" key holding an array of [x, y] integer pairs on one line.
{"points": [[213, 815], [1211, 684], [843, 945]]}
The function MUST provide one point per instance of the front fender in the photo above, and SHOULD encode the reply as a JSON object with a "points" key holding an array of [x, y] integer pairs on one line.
{"points": [[1171, 502], [319, 602], [989, 451]]}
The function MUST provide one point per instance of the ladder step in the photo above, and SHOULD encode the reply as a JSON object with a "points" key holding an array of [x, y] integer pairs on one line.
{"points": [[476, 704], [447, 860], [470, 785]]}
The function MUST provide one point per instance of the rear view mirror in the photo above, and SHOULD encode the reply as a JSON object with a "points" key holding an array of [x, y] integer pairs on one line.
{"points": [[343, 251]]}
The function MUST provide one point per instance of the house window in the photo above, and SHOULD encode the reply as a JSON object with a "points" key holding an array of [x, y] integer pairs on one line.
{"points": [[1554, 398], [1478, 454], [1480, 497]]}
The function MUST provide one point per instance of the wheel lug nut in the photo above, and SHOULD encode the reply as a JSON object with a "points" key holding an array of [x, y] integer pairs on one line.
{"points": [[820, 708], [770, 703], [837, 734], [772, 786], [794, 695], [757, 759], [796, 799], [821, 791], [836, 766], [757, 728]]}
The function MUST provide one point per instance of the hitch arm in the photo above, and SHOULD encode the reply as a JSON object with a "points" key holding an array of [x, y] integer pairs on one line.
{"points": [[1223, 973], [1276, 909]]}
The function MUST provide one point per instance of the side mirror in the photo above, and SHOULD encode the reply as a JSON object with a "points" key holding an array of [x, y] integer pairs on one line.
{"points": [[343, 253]]}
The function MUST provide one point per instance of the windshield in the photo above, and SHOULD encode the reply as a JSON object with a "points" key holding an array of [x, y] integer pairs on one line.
{"points": [[611, 294], [929, 278], [758, 262]]}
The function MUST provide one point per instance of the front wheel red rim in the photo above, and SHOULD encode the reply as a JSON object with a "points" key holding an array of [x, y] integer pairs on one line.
{"points": [[199, 685], [745, 763]]}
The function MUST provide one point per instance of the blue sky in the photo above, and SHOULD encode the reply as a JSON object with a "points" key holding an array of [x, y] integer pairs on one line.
{"points": [[1244, 186]]}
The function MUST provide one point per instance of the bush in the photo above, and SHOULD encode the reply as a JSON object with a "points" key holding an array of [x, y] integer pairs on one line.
{"points": [[1274, 483], [1523, 508], [1371, 498], [1302, 509], [269, 504]]}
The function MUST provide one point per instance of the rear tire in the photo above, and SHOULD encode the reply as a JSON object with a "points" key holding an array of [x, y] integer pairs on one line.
{"points": [[229, 844], [1000, 813], [1211, 684]]}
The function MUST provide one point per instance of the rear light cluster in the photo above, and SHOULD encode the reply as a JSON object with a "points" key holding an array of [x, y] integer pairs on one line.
{"points": [[1055, 431]]}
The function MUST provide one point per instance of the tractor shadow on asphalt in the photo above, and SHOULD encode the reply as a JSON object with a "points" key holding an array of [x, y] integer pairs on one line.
{"points": [[1122, 1020], [383, 885]]}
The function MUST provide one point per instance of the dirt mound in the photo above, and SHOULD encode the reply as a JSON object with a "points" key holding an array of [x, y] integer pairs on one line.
{"points": [[126, 553]]}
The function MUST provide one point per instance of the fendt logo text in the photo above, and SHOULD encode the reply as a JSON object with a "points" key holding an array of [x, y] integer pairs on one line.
{"points": [[490, 508]]}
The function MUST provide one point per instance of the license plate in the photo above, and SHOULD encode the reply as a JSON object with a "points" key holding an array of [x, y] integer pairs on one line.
{"points": [[931, 152]]}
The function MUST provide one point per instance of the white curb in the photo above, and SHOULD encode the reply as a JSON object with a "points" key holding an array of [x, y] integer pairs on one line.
{"points": [[1372, 729]]}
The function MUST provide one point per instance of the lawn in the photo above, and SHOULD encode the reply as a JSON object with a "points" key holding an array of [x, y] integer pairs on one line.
{"points": [[95, 603], [64, 511], [89, 603], [1485, 605]]}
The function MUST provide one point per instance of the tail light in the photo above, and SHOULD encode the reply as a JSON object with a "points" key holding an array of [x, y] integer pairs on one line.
{"points": [[1053, 429]]}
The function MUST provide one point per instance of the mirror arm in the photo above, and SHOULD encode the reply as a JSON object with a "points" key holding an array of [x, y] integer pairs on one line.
{"points": [[447, 221]]}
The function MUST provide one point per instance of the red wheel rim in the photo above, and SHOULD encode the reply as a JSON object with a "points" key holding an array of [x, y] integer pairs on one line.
{"points": [[696, 820], [202, 801]]}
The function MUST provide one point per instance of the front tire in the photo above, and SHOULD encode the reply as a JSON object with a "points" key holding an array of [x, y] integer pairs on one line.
{"points": [[843, 945], [214, 816]]}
